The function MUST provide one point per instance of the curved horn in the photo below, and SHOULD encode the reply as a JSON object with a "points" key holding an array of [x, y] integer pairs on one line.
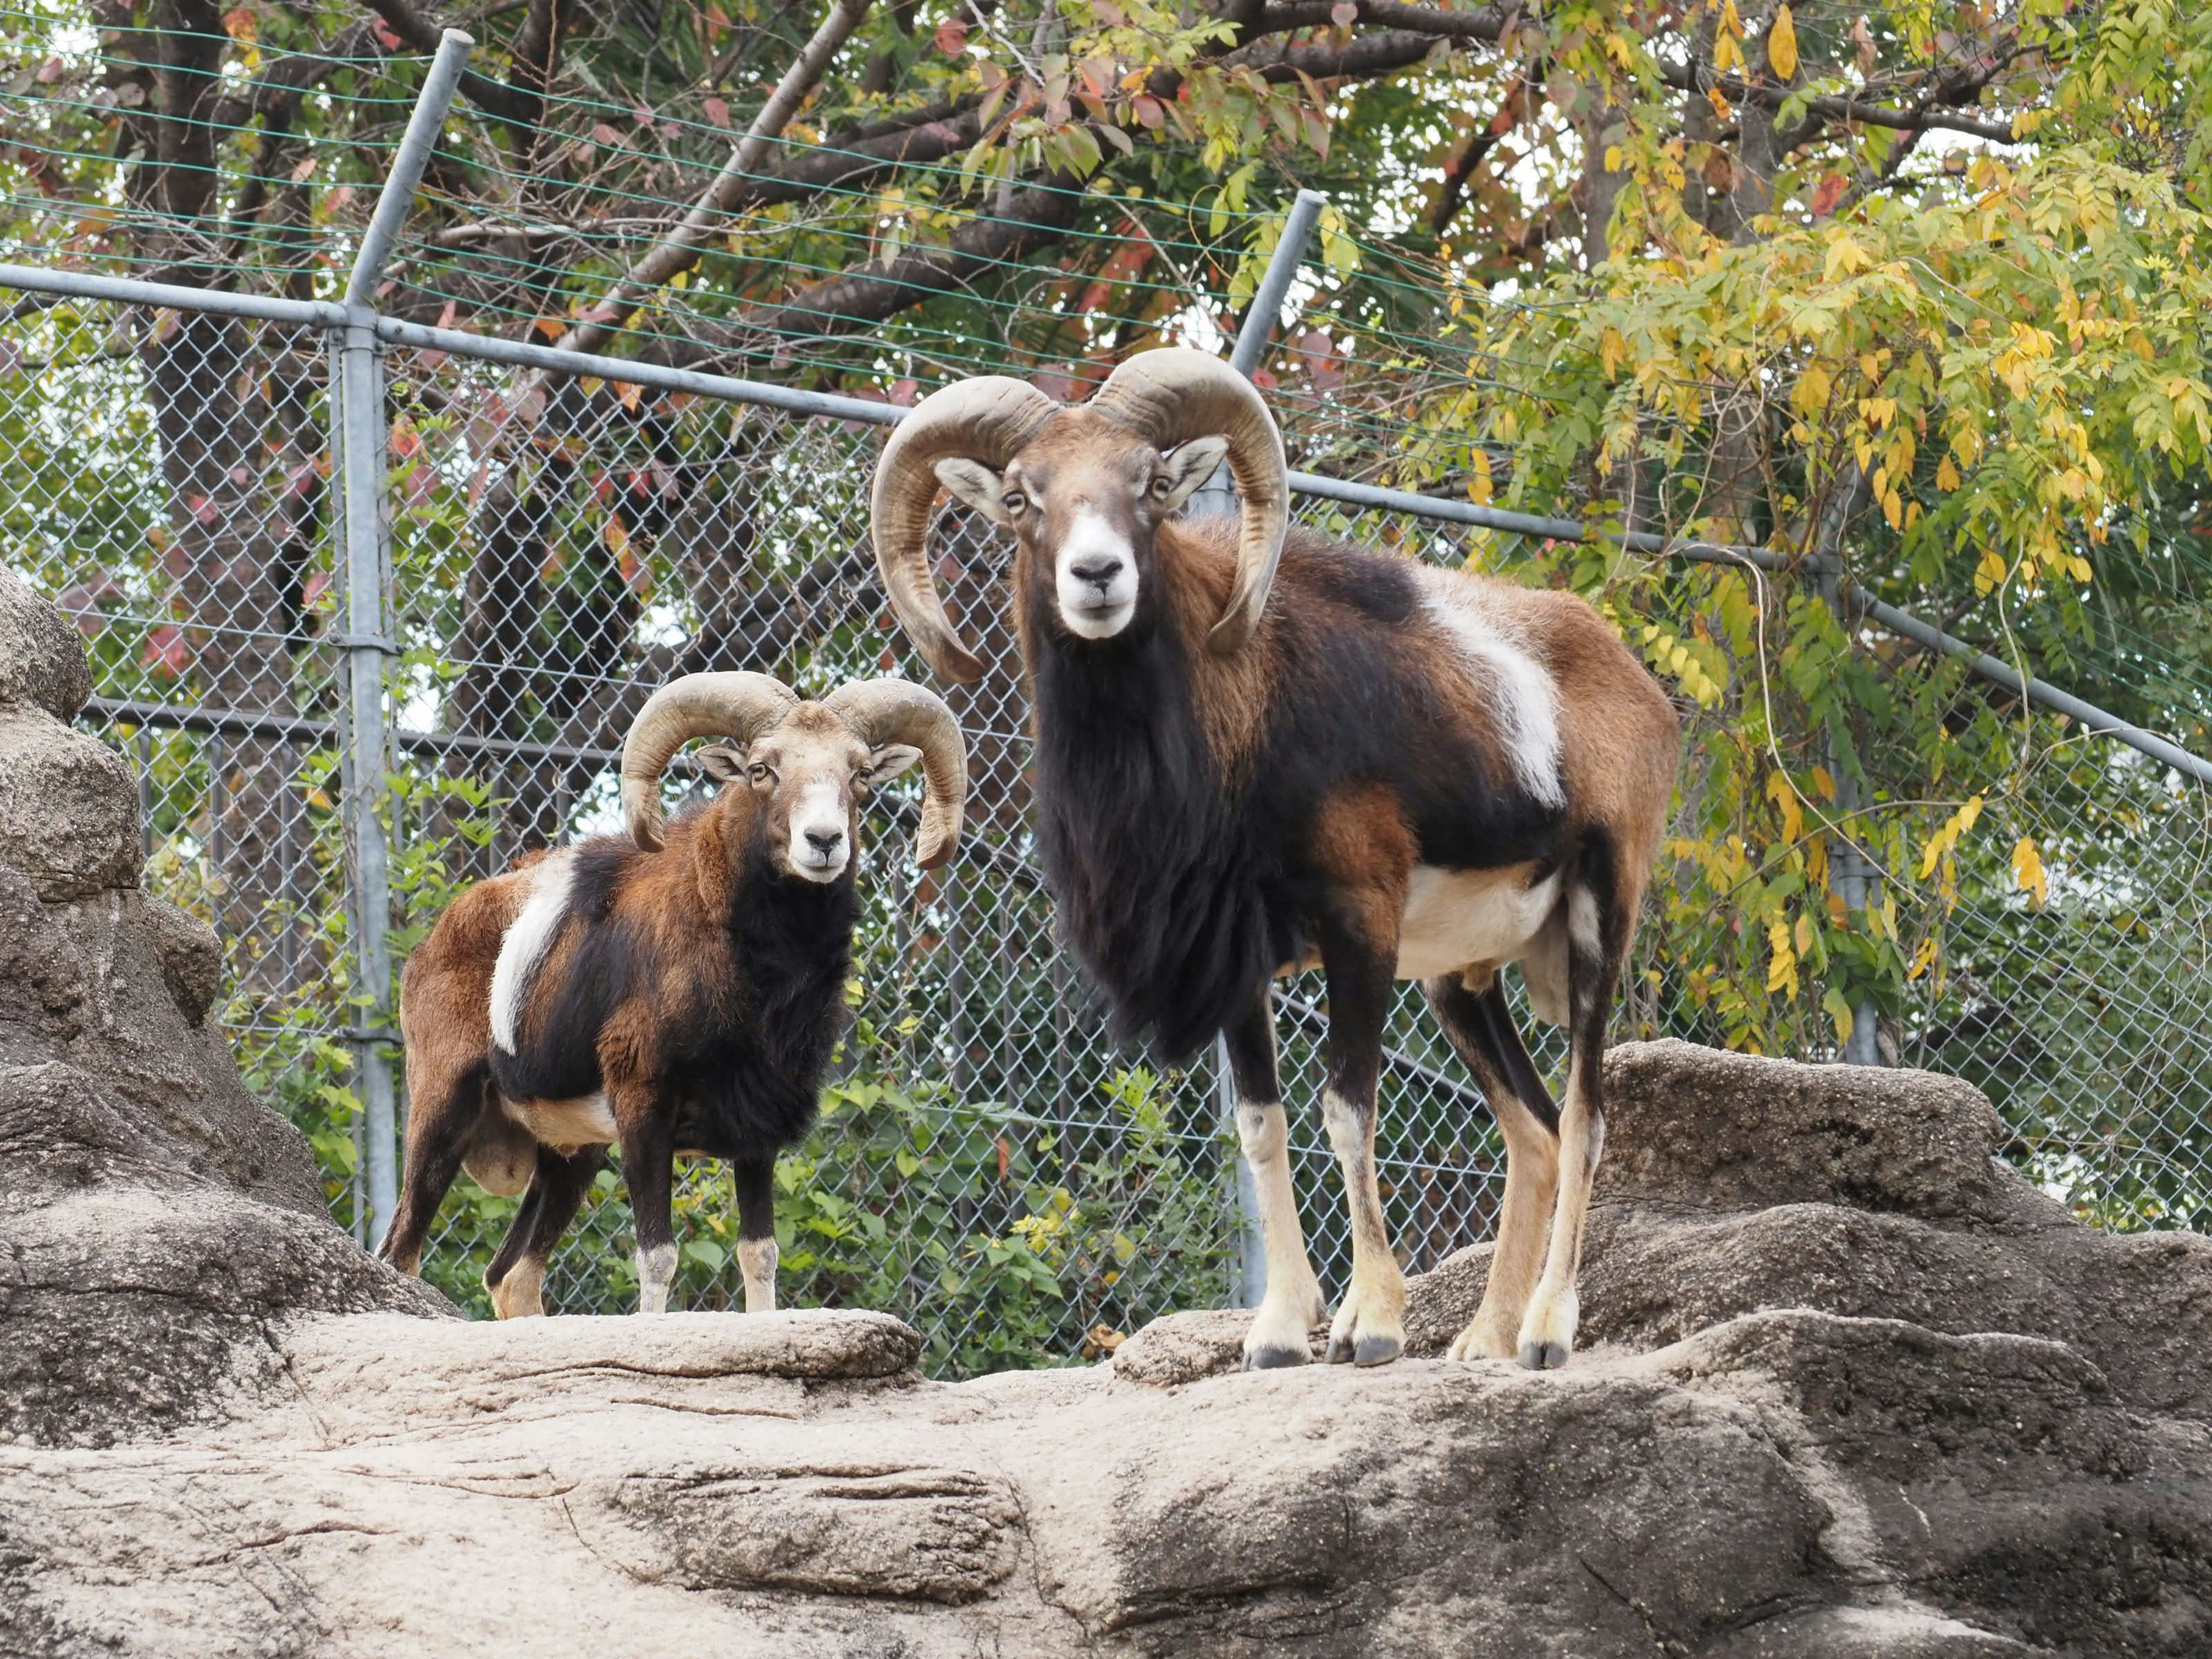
{"points": [[899, 711], [1174, 394], [988, 419], [740, 706]]}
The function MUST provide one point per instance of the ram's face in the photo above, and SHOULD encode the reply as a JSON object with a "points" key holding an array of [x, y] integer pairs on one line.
{"points": [[808, 777], [1085, 500]]}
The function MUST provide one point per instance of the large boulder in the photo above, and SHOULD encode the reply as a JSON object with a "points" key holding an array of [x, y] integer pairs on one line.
{"points": [[154, 1216], [1854, 1391]]}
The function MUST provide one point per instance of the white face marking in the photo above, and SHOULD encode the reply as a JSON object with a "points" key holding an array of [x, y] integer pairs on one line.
{"points": [[1095, 577], [1523, 698], [819, 847], [525, 943]]}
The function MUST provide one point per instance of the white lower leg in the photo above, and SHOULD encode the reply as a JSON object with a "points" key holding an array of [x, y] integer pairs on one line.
{"points": [[656, 1274], [757, 1259], [1370, 1327], [1532, 1181], [521, 1294], [1547, 1328], [1292, 1304]]}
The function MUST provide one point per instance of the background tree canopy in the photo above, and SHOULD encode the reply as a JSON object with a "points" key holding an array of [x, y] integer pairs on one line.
{"points": [[1918, 287]]}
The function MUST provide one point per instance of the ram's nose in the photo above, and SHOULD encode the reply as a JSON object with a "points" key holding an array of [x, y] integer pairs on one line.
{"points": [[825, 843], [1098, 573]]}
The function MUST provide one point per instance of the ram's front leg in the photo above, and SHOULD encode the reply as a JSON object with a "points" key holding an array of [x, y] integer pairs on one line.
{"points": [[648, 1159], [755, 1179], [1360, 962], [1291, 1303]]}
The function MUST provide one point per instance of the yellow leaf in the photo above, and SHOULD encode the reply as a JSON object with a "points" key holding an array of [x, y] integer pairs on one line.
{"points": [[1781, 45], [616, 537], [1945, 840], [1924, 958], [1947, 475], [1825, 782], [1844, 257], [1782, 975], [1783, 794], [2027, 870], [1804, 938]]}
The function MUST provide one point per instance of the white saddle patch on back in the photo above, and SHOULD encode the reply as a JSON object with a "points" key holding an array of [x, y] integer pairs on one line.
{"points": [[1523, 697], [525, 943], [1458, 919]]}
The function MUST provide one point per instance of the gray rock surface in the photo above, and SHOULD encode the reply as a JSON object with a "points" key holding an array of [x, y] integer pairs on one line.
{"points": [[154, 1216], [1856, 1393]]}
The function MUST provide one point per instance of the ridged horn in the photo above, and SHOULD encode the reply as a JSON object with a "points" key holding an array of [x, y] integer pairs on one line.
{"points": [[733, 705], [1174, 394], [988, 419], [899, 711]]}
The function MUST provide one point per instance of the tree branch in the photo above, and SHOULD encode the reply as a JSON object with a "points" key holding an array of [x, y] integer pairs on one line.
{"points": [[511, 104], [679, 249], [1694, 78]]}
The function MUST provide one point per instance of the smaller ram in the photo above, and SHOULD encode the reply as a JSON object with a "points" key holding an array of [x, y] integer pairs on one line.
{"points": [[677, 990]]}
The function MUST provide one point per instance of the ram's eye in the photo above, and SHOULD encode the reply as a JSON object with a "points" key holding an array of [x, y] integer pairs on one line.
{"points": [[1013, 501], [1162, 484], [761, 772]]}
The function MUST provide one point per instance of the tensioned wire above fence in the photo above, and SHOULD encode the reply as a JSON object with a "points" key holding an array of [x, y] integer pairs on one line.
{"points": [[637, 525]]}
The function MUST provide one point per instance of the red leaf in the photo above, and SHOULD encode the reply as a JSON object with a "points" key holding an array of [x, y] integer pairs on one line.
{"points": [[952, 36], [902, 393], [717, 112], [1344, 13], [165, 653], [1826, 194], [200, 507], [384, 37], [1264, 379], [317, 594], [1002, 1157], [1151, 112]]}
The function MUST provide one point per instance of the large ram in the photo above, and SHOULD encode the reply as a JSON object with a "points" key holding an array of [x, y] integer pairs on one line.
{"points": [[1259, 748], [675, 990]]}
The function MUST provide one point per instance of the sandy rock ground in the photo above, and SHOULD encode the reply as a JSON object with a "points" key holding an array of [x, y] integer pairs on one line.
{"points": [[1853, 1391]]}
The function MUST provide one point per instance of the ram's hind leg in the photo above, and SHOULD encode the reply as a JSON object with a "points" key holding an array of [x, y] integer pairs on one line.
{"points": [[1291, 1303], [516, 1278], [1602, 900], [444, 1104], [1480, 1029]]}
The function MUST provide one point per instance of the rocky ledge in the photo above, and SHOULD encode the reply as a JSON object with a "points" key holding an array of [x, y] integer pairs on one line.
{"points": [[1854, 1391]]}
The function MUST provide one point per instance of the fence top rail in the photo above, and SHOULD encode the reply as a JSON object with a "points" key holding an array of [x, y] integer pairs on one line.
{"points": [[523, 353]]}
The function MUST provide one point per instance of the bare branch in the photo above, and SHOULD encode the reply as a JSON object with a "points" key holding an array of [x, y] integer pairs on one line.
{"points": [[1693, 78], [679, 250]]}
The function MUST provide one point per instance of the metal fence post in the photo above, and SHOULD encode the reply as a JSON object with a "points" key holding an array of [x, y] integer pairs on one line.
{"points": [[1248, 1279], [1854, 880], [358, 442]]}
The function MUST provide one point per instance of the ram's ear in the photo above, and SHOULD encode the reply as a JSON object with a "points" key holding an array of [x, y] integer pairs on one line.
{"points": [[721, 761], [890, 760], [1190, 465], [974, 483]]}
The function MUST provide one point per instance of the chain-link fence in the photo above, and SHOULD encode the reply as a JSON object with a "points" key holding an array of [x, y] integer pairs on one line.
{"points": [[557, 537]]}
